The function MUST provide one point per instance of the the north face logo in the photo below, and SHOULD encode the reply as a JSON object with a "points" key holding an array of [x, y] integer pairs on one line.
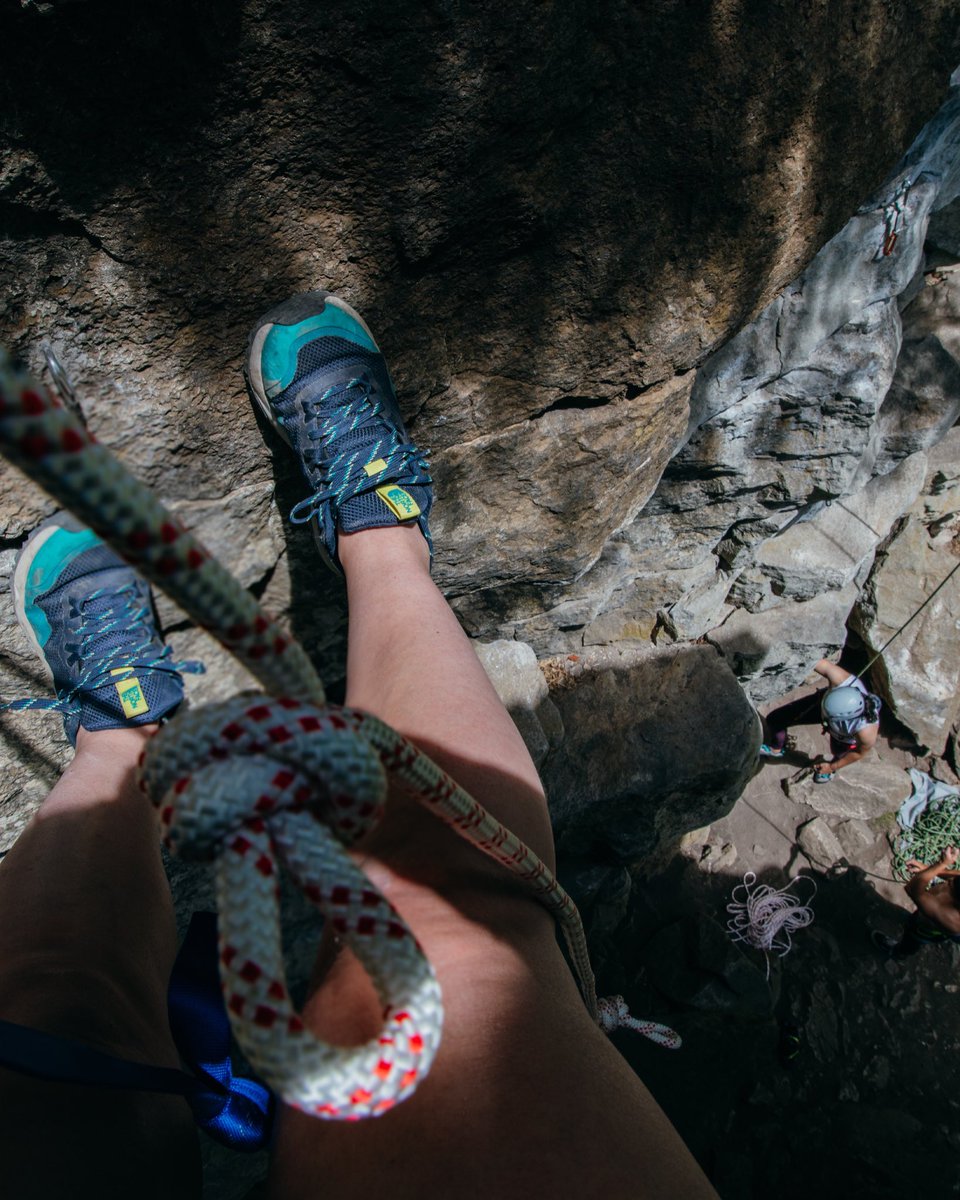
{"points": [[400, 502]]}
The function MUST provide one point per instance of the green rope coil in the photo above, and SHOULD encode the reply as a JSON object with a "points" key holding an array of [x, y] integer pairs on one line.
{"points": [[937, 827]]}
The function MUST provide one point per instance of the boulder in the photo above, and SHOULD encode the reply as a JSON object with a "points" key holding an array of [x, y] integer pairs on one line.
{"points": [[513, 670], [861, 791], [935, 312], [657, 742], [820, 844]]}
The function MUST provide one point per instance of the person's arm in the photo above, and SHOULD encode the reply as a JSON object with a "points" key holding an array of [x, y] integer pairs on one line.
{"points": [[939, 904], [832, 673], [866, 740]]}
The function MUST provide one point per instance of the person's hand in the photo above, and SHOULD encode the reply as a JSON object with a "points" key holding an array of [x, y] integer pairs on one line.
{"points": [[949, 857], [914, 865], [822, 767]]}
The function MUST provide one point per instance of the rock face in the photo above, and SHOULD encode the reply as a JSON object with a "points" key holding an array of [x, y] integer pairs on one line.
{"points": [[919, 673], [516, 202]]}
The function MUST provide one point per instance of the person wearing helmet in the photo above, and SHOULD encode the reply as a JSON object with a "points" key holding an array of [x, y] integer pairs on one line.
{"points": [[846, 710]]}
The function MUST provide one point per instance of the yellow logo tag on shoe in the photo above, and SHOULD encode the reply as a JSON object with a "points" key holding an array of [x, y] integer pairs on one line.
{"points": [[378, 464], [131, 695], [401, 503]]}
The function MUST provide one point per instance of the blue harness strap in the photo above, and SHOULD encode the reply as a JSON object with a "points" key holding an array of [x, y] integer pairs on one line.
{"points": [[235, 1111]]}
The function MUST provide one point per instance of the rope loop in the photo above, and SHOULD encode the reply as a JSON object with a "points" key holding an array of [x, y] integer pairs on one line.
{"points": [[243, 782]]}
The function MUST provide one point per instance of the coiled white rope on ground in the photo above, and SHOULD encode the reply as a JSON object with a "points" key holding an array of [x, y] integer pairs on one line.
{"points": [[262, 778], [765, 917]]}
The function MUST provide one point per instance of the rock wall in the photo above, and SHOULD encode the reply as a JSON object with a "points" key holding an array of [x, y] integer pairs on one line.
{"points": [[561, 224]]}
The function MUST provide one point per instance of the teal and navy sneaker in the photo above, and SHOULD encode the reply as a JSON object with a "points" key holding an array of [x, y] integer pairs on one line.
{"points": [[90, 619], [318, 376]]}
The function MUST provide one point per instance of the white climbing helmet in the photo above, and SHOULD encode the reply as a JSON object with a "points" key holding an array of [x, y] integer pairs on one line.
{"points": [[842, 707]]}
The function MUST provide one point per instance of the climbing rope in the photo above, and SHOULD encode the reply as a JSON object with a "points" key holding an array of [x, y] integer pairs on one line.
{"points": [[764, 917], [243, 782], [937, 827]]}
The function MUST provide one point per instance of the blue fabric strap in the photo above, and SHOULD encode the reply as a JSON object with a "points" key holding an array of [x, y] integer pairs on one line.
{"points": [[235, 1111], [232, 1109]]}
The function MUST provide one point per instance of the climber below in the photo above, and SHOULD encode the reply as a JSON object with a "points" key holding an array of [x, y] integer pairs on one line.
{"points": [[846, 710], [935, 890]]}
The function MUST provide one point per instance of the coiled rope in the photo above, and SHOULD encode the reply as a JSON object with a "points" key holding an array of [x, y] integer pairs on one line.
{"points": [[937, 827], [244, 782], [764, 917]]}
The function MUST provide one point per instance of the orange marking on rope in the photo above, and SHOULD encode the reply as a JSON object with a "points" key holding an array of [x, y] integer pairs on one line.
{"points": [[383, 1105], [264, 865], [283, 779], [416, 1043], [181, 785], [265, 804], [277, 990], [238, 631], [383, 1068], [294, 1024], [361, 1096], [240, 844], [168, 533], [288, 702], [236, 1004], [408, 1078], [261, 624], [340, 895], [71, 441], [228, 954], [279, 734], [259, 712], [195, 558], [279, 645], [265, 1016], [366, 925], [166, 815], [167, 564], [232, 732], [309, 724], [369, 899]]}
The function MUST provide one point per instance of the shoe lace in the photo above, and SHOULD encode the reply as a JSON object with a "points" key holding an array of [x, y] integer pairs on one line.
{"points": [[114, 640], [341, 410]]}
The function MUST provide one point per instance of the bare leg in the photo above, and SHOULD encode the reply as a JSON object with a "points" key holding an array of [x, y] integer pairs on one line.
{"points": [[526, 1097], [87, 941]]}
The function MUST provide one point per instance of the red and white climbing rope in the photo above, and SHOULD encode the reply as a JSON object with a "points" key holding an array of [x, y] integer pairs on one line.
{"points": [[261, 778]]}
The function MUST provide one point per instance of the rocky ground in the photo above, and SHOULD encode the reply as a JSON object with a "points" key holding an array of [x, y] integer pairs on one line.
{"points": [[866, 1107]]}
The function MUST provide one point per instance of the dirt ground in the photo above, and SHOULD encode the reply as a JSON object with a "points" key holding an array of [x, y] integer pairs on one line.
{"points": [[866, 1106]]}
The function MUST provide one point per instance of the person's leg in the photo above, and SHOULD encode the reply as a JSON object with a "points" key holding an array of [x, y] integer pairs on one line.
{"points": [[87, 936], [526, 1096], [805, 711], [87, 940]]}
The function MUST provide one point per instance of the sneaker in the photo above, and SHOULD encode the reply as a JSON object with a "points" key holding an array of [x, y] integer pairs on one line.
{"points": [[319, 378], [772, 751], [90, 620]]}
